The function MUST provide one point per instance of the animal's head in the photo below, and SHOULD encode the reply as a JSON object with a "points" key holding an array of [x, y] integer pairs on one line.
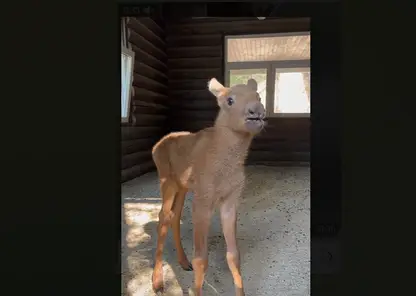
{"points": [[240, 106]]}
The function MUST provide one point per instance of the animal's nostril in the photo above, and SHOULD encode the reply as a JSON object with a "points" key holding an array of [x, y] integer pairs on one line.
{"points": [[251, 112]]}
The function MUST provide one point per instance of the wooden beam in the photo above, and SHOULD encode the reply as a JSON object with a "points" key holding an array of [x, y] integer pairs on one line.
{"points": [[131, 146], [138, 26], [280, 145], [278, 163], [134, 132], [196, 73], [149, 84], [143, 57], [193, 63], [150, 72], [277, 155], [130, 160], [139, 103], [145, 45], [192, 94], [137, 170], [154, 26], [194, 52], [194, 105], [140, 119], [148, 95], [188, 84], [194, 40], [241, 26], [191, 115]]}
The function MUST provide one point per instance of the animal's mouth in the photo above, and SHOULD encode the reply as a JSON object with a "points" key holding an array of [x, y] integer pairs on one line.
{"points": [[254, 119]]}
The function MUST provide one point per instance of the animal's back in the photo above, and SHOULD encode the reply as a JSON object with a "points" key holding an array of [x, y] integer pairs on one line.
{"points": [[174, 153]]}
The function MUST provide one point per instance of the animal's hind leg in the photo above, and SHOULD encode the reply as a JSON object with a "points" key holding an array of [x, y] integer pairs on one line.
{"points": [[176, 227], [168, 189]]}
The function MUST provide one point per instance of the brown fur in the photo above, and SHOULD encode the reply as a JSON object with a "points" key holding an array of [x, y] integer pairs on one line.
{"points": [[210, 163]]}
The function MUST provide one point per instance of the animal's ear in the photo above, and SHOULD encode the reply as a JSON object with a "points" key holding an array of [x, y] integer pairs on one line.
{"points": [[215, 87], [252, 84]]}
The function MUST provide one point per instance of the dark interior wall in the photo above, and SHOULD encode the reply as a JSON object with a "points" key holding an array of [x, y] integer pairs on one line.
{"points": [[148, 109], [195, 52]]}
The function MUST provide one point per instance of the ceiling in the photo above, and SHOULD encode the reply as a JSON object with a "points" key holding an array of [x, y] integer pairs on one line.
{"points": [[277, 48]]}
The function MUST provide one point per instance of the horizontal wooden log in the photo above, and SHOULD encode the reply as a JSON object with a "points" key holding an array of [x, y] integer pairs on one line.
{"points": [[277, 155], [292, 125], [265, 135], [137, 26], [206, 115], [204, 20], [149, 84], [154, 26], [195, 52], [241, 26], [196, 73], [150, 72], [278, 163], [145, 45], [148, 99], [145, 95], [189, 84], [284, 134], [132, 146], [204, 94], [137, 171], [140, 119], [132, 159], [281, 145], [140, 110], [194, 40], [193, 126], [139, 103], [137, 132], [194, 63], [141, 56], [197, 104]]}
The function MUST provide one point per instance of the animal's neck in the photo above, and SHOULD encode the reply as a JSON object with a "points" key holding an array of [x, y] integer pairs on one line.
{"points": [[221, 119], [232, 145]]}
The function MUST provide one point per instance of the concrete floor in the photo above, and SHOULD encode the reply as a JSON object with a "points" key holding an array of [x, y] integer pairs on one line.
{"points": [[273, 236]]}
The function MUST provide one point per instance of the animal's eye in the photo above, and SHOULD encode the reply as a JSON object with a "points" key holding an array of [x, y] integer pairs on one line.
{"points": [[230, 101]]}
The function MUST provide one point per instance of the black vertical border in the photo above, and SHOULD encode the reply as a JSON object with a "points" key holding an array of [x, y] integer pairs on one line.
{"points": [[60, 155], [60, 221], [326, 134]]}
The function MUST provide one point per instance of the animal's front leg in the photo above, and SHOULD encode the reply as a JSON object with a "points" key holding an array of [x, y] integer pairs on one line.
{"points": [[202, 211], [228, 212]]}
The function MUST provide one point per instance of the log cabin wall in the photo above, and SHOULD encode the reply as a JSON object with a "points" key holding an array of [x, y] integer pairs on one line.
{"points": [[148, 109], [195, 51]]}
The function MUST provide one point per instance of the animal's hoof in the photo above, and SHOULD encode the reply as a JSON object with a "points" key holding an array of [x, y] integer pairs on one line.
{"points": [[158, 288], [157, 283], [186, 266]]}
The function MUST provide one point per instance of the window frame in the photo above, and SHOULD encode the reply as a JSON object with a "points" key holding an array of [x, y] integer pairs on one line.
{"points": [[271, 66], [130, 91]]}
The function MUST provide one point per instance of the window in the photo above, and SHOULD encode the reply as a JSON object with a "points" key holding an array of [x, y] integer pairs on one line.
{"points": [[291, 91], [280, 63], [127, 64]]}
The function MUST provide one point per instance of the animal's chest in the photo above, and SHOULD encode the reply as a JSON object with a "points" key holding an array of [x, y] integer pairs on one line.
{"points": [[228, 180]]}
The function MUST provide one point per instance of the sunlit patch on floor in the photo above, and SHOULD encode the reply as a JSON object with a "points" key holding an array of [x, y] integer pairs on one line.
{"points": [[136, 235]]}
